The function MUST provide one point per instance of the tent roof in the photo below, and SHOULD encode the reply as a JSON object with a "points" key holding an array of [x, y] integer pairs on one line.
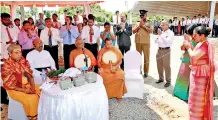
{"points": [[49, 3], [174, 8]]}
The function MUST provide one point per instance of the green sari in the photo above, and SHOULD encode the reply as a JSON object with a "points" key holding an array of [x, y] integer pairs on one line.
{"points": [[181, 89]]}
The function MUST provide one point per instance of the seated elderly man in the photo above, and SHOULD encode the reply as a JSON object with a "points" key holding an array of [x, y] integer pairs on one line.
{"points": [[80, 50], [18, 81], [109, 61], [40, 60]]}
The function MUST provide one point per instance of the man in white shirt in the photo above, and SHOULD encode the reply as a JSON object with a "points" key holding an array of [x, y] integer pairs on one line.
{"points": [[55, 23], [164, 42], [187, 23], [80, 18], [39, 60], [17, 24], [50, 38], [91, 34], [204, 21], [116, 21], [8, 35], [175, 23], [194, 20], [199, 20], [183, 24]]}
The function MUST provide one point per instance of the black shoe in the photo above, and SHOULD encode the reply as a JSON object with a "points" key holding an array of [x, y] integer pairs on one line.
{"points": [[167, 85], [159, 81], [145, 75]]}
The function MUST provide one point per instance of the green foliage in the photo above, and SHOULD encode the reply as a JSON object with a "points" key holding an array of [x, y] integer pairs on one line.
{"points": [[70, 10], [5, 9], [33, 11]]}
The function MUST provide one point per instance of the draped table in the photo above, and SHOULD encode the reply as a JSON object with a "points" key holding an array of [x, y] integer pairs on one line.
{"points": [[87, 102]]}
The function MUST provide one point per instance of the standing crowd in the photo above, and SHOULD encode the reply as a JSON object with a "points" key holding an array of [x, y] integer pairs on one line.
{"points": [[179, 26]]}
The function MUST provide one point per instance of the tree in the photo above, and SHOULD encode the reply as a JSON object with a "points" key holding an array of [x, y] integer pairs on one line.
{"points": [[5, 9]]}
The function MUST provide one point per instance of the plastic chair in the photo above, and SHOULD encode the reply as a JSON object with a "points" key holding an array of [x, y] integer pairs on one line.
{"points": [[133, 79], [16, 110]]}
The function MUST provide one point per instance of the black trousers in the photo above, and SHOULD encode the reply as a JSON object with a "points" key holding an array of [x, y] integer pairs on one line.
{"points": [[54, 53], [175, 30], [39, 32], [4, 96], [199, 24], [186, 26], [123, 49], [182, 30], [94, 49], [25, 52], [216, 30], [67, 50]]}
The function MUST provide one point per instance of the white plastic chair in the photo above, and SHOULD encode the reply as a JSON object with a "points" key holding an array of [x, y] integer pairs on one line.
{"points": [[133, 79], [16, 110]]}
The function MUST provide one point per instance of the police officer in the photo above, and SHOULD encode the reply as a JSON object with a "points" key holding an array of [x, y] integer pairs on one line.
{"points": [[142, 39]]}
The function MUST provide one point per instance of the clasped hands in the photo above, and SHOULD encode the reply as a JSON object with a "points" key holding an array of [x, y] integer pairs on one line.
{"points": [[186, 43], [68, 26]]}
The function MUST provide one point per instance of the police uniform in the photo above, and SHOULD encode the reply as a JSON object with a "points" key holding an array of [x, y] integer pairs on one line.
{"points": [[142, 41]]}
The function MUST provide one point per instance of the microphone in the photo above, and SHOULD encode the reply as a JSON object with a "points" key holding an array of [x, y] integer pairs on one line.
{"points": [[85, 59]]}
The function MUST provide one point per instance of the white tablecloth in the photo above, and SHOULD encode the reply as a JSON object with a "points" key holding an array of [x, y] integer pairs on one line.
{"points": [[88, 102]]}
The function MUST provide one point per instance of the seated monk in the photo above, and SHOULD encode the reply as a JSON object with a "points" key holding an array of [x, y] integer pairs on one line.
{"points": [[80, 50], [39, 60], [18, 81], [113, 76]]}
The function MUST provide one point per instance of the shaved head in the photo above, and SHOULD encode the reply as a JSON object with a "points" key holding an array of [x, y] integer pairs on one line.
{"points": [[37, 43], [79, 43], [36, 40]]}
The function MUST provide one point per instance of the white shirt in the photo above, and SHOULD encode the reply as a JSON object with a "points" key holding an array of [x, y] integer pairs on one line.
{"points": [[188, 22], [86, 37], [199, 20], [55, 36], [207, 20], [194, 21], [175, 23], [41, 59], [57, 23], [115, 20], [183, 23], [5, 38], [165, 39]]}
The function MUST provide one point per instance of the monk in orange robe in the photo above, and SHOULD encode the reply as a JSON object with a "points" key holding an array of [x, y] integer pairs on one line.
{"points": [[18, 81], [112, 74], [81, 50]]}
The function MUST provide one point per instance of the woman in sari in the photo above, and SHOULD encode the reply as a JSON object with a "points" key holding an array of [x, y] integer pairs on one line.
{"points": [[107, 34], [202, 76], [181, 88], [17, 78]]}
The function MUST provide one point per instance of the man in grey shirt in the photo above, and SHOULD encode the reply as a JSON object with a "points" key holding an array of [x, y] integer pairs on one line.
{"points": [[124, 31], [40, 23]]}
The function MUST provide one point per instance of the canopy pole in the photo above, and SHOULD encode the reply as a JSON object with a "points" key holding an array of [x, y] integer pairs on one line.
{"points": [[13, 11], [130, 18], [22, 15], [212, 12]]}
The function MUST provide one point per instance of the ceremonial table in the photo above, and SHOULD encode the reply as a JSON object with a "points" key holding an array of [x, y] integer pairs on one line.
{"points": [[87, 102]]}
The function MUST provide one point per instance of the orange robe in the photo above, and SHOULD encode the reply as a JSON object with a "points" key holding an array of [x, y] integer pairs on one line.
{"points": [[76, 52], [12, 76], [113, 80]]}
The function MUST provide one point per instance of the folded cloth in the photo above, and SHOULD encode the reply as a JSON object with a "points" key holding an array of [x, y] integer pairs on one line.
{"points": [[46, 85], [71, 72]]}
